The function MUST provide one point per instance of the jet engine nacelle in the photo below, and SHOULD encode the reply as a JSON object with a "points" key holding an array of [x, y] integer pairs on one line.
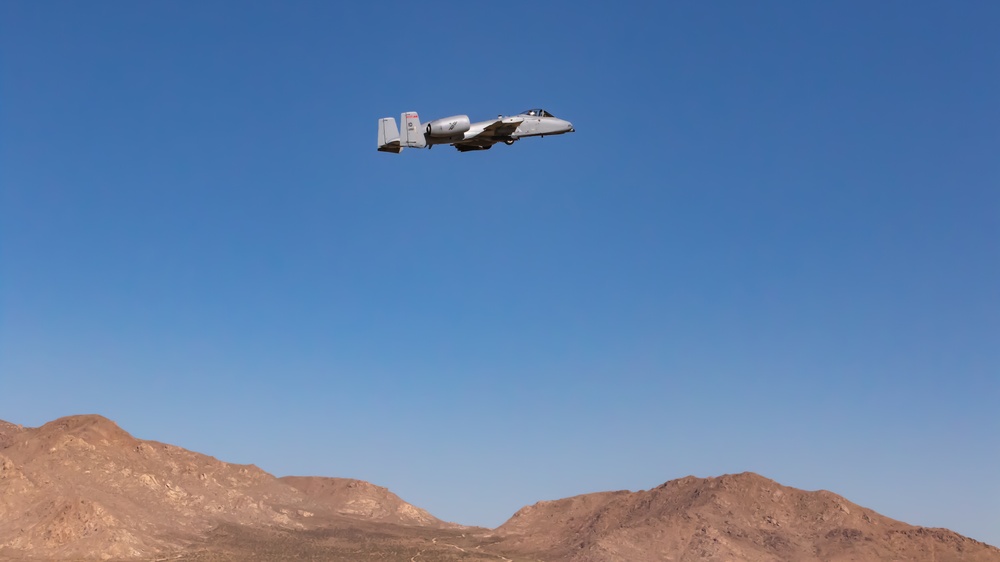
{"points": [[449, 126]]}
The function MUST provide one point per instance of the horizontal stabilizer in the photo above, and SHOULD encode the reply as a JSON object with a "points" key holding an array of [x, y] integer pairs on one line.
{"points": [[388, 136]]}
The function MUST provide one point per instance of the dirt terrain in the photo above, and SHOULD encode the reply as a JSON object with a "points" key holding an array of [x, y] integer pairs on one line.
{"points": [[81, 488], [732, 517]]}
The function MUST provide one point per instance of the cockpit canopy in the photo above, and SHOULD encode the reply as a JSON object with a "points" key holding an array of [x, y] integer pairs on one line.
{"points": [[536, 113]]}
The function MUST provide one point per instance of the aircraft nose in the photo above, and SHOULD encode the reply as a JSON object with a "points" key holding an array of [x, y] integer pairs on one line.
{"points": [[569, 127]]}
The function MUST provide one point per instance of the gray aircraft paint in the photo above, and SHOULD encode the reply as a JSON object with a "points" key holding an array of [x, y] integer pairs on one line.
{"points": [[459, 132]]}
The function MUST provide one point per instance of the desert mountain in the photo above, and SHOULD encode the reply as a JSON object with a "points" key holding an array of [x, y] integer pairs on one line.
{"points": [[734, 517], [357, 498], [81, 488]]}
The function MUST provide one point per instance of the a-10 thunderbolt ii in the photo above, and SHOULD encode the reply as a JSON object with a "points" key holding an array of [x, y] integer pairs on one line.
{"points": [[465, 136]]}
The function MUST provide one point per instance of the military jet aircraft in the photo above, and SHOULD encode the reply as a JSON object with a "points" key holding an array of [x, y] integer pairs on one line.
{"points": [[465, 136]]}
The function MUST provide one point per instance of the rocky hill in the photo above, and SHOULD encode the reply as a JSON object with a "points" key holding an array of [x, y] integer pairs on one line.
{"points": [[734, 517], [81, 488], [357, 498]]}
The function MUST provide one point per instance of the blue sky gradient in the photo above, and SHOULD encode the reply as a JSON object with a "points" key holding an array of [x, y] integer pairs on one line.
{"points": [[772, 245]]}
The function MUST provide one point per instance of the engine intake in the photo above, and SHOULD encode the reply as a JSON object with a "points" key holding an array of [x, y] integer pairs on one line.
{"points": [[449, 126]]}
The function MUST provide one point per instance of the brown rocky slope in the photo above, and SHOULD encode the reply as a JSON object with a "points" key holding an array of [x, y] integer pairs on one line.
{"points": [[357, 498], [732, 517], [81, 488]]}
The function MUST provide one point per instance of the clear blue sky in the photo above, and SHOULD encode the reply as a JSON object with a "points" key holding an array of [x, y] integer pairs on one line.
{"points": [[772, 245]]}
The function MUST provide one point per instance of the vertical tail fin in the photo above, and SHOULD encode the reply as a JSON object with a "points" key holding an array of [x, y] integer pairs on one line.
{"points": [[412, 134], [388, 136]]}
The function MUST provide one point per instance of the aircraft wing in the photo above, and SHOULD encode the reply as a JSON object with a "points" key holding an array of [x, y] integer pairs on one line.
{"points": [[501, 127], [497, 131]]}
